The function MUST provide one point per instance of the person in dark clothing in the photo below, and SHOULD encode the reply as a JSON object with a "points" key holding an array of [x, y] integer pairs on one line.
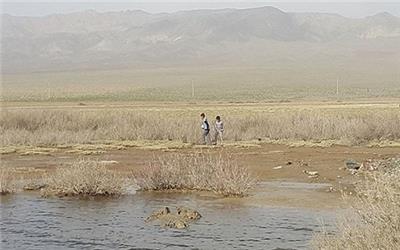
{"points": [[205, 126]]}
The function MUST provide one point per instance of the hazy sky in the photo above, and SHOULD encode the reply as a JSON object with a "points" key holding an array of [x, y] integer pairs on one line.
{"points": [[346, 8]]}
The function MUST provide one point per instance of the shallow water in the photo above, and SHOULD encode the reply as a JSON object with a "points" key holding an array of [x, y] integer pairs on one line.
{"points": [[31, 222]]}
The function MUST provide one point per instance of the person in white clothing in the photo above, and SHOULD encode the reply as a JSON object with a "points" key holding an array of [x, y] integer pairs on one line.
{"points": [[219, 130]]}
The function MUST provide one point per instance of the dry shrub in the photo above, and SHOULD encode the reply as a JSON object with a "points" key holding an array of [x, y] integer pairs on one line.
{"points": [[374, 221], [53, 127], [83, 178], [7, 181], [220, 174]]}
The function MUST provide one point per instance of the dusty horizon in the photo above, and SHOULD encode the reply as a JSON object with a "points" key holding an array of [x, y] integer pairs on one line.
{"points": [[346, 9]]}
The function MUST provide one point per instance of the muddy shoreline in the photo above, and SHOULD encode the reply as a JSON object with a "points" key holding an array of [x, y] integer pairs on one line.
{"points": [[279, 170]]}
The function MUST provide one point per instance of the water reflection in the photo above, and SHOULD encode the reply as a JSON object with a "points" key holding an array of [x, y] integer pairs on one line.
{"points": [[30, 222]]}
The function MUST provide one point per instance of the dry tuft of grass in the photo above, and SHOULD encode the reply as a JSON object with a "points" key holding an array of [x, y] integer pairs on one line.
{"points": [[203, 172], [7, 181], [374, 222], [83, 178]]}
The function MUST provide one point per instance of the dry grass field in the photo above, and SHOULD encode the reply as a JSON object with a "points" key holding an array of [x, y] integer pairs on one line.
{"points": [[262, 104], [68, 123], [157, 104]]}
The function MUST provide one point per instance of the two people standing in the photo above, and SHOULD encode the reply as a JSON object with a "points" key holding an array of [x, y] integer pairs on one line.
{"points": [[218, 127]]}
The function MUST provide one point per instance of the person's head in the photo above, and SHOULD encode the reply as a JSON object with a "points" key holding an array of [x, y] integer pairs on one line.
{"points": [[218, 118], [202, 115]]}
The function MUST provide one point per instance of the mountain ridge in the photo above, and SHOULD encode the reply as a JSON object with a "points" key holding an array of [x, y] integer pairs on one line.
{"points": [[94, 40]]}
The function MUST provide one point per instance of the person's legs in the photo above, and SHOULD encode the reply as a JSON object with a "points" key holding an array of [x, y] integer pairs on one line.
{"points": [[216, 137], [208, 139], [205, 136], [221, 133]]}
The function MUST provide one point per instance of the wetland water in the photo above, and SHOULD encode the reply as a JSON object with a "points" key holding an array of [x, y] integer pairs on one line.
{"points": [[31, 222]]}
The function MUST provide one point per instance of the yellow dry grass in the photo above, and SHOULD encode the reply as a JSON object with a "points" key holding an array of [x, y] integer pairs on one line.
{"points": [[374, 221], [83, 178], [7, 181], [201, 171], [175, 126]]}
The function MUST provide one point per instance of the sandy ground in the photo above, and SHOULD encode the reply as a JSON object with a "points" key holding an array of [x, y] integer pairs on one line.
{"points": [[278, 168]]}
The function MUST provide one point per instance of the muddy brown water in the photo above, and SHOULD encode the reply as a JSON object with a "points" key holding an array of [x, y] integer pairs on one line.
{"points": [[31, 222]]}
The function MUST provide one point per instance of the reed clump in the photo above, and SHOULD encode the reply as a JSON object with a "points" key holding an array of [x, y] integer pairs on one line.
{"points": [[374, 221], [202, 172], [7, 181], [83, 178]]}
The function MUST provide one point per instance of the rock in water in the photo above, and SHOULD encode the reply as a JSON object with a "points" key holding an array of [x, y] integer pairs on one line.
{"points": [[158, 214], [173, 221], [188, 213], [179, 220]]}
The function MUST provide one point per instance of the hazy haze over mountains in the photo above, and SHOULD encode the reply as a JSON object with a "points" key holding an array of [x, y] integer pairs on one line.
{"points": [[256, 37]]}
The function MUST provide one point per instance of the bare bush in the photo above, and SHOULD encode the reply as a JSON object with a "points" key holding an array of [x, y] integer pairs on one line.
{"points": [[219, 174], [52, 127], [83, 178], [374, 222], [7, 181]]}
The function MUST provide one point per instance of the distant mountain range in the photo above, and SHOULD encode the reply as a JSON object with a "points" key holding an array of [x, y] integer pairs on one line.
{"points": [[258, 36]]}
